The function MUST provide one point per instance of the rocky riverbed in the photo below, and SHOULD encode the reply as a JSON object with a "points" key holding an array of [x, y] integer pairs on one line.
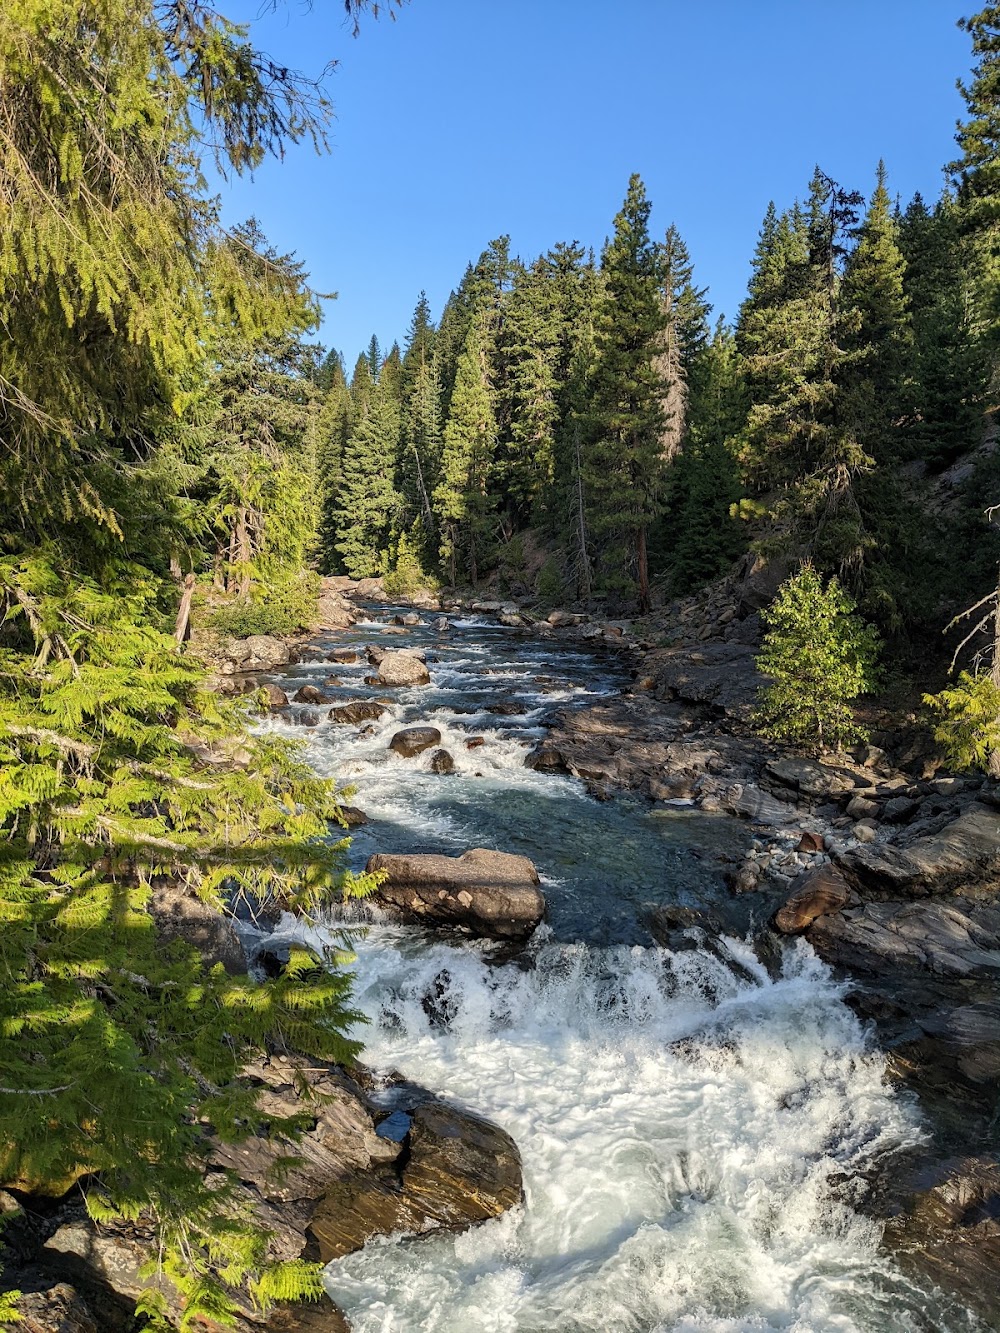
{"points": [[619, 755]]}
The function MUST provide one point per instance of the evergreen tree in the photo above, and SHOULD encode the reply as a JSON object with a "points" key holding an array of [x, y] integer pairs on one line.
{"points": [[462, 501], [369, 505], [330, 430], [685, 337], [419, 344], [977, 171], [819, 658], [622, 470]]}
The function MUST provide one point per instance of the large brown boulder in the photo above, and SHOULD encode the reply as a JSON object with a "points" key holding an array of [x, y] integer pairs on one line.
{"points": [[494, 894], [459, 1169], [333, 611], [357, 711], [813, 895], [402, 668]]}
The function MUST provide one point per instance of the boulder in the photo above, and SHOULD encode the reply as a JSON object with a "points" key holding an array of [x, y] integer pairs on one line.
{"points": [[811, 842], [723, 676], [344, 656], [899, 809], [750, 802], [178, 914], [402, 668], [813, 894], [414, 740], [58, 1309], [352, 816], [947, 937], [458, 1169], [276, 696], [357, 711], [309, 694], [333, 611], [442, 762], [474, 742], [494, 894], [564, 619], [860, 807], [442, 624], [964, 855], [410, 618], [511, 619], [265, 651]]}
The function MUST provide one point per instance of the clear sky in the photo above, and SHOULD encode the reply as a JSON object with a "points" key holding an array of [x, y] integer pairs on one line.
{"points": [[466, 119]]}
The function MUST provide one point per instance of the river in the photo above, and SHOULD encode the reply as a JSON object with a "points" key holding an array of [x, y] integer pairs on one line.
{"points": [[686, 1118]]}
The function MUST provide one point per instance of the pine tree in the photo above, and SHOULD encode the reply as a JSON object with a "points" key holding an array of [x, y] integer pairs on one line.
{"points": [[462, 502], [622, 471], [330, 430], [369, 505], [419, 344], [685, 337], [977, 172]]}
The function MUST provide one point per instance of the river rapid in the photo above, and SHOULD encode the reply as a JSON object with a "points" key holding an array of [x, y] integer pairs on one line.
{"points": [[690, 1120]]}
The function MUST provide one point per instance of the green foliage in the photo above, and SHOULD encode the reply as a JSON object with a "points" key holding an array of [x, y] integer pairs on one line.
{"points": [[820, 657], [408, 575], [369, 505], [549, 586], [288, 608], [968, 725]]}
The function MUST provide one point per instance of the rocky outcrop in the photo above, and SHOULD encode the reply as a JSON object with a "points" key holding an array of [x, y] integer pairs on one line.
{"points": [[963, 856], [948, 936], [333, 610], [722, 676], [488, 893], [402, 668], [179, 914], [458, 1169], [350, 1181], [414, 740]]}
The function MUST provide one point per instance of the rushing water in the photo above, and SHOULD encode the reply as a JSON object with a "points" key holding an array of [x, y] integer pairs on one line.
{"points": [[686, 1119]]}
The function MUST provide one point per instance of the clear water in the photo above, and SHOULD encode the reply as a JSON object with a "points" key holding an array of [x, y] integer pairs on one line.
{"points": [[684, 1118]]}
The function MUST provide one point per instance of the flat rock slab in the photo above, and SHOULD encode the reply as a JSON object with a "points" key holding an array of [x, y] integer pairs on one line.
{"points": [[964, 856], [949, 937], [494, 894]]}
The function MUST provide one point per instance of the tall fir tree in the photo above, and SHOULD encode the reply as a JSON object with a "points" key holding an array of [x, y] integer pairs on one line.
{"points": [[369, 505], [623, 472], [462, 501]]}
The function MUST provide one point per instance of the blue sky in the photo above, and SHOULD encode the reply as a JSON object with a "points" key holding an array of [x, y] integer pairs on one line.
{"points": [[465, 119]]}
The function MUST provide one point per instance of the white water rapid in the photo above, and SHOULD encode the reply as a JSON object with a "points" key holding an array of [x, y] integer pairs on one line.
{"points": [[689, 1123]]}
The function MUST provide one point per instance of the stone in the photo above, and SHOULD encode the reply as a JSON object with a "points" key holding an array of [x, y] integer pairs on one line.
{"points": [[374, 654], [442, 624], [333, 611], [310, 718], [332, 680], [474, 742], [963, 856], [459, 1169], [276, 696], [402, 668], [179, 914], [813, 894], [58, 1309], [352, 816], [494, 894], [749, 801], [811, 778], [944, 936], [865, 831], [672, 787], [414, 740], [344, 656], [860, 807], [357, 711], [811, 842], [564, 619], [899, 809], [265, 651], [309, 694], [442, 762], [512, 619]]}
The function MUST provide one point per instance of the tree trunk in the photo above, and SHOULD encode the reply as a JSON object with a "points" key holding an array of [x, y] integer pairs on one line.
{"points": [[642, 570], [182, 629], [581, 522]]}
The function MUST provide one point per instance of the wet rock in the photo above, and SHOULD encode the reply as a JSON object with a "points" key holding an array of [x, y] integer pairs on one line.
{"points": [[309, 694], [374, 654], [507, 710], [564, 619], [474, 742], [442, 762], [460, 1170], [946, 936], [948, 1229], [358, 710], [402, 668], [333, 611], [414, 740], [964, 855], [276, 696], [309, 718], [751, 802], [352, 816], [488, 893], [442, 624], [344, 656], [179, 914], [332, 680], [546, 758], [814, 894]]}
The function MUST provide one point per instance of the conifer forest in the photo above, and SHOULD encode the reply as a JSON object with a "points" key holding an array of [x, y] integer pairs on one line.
{"points": [[577, 433]]}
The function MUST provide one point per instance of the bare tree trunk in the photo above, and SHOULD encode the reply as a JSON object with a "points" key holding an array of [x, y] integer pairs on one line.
{"points": [[581, 523], [642, 564], [425, 500], [182, 629], [175, 568], [994, 759]]}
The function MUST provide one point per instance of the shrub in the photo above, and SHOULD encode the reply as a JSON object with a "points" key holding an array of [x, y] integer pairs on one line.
{"points": [[287, 609], [969, 722], [549, 585]]}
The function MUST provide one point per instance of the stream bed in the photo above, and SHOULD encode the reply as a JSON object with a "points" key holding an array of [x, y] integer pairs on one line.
{"points": [[686, 1118]]}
